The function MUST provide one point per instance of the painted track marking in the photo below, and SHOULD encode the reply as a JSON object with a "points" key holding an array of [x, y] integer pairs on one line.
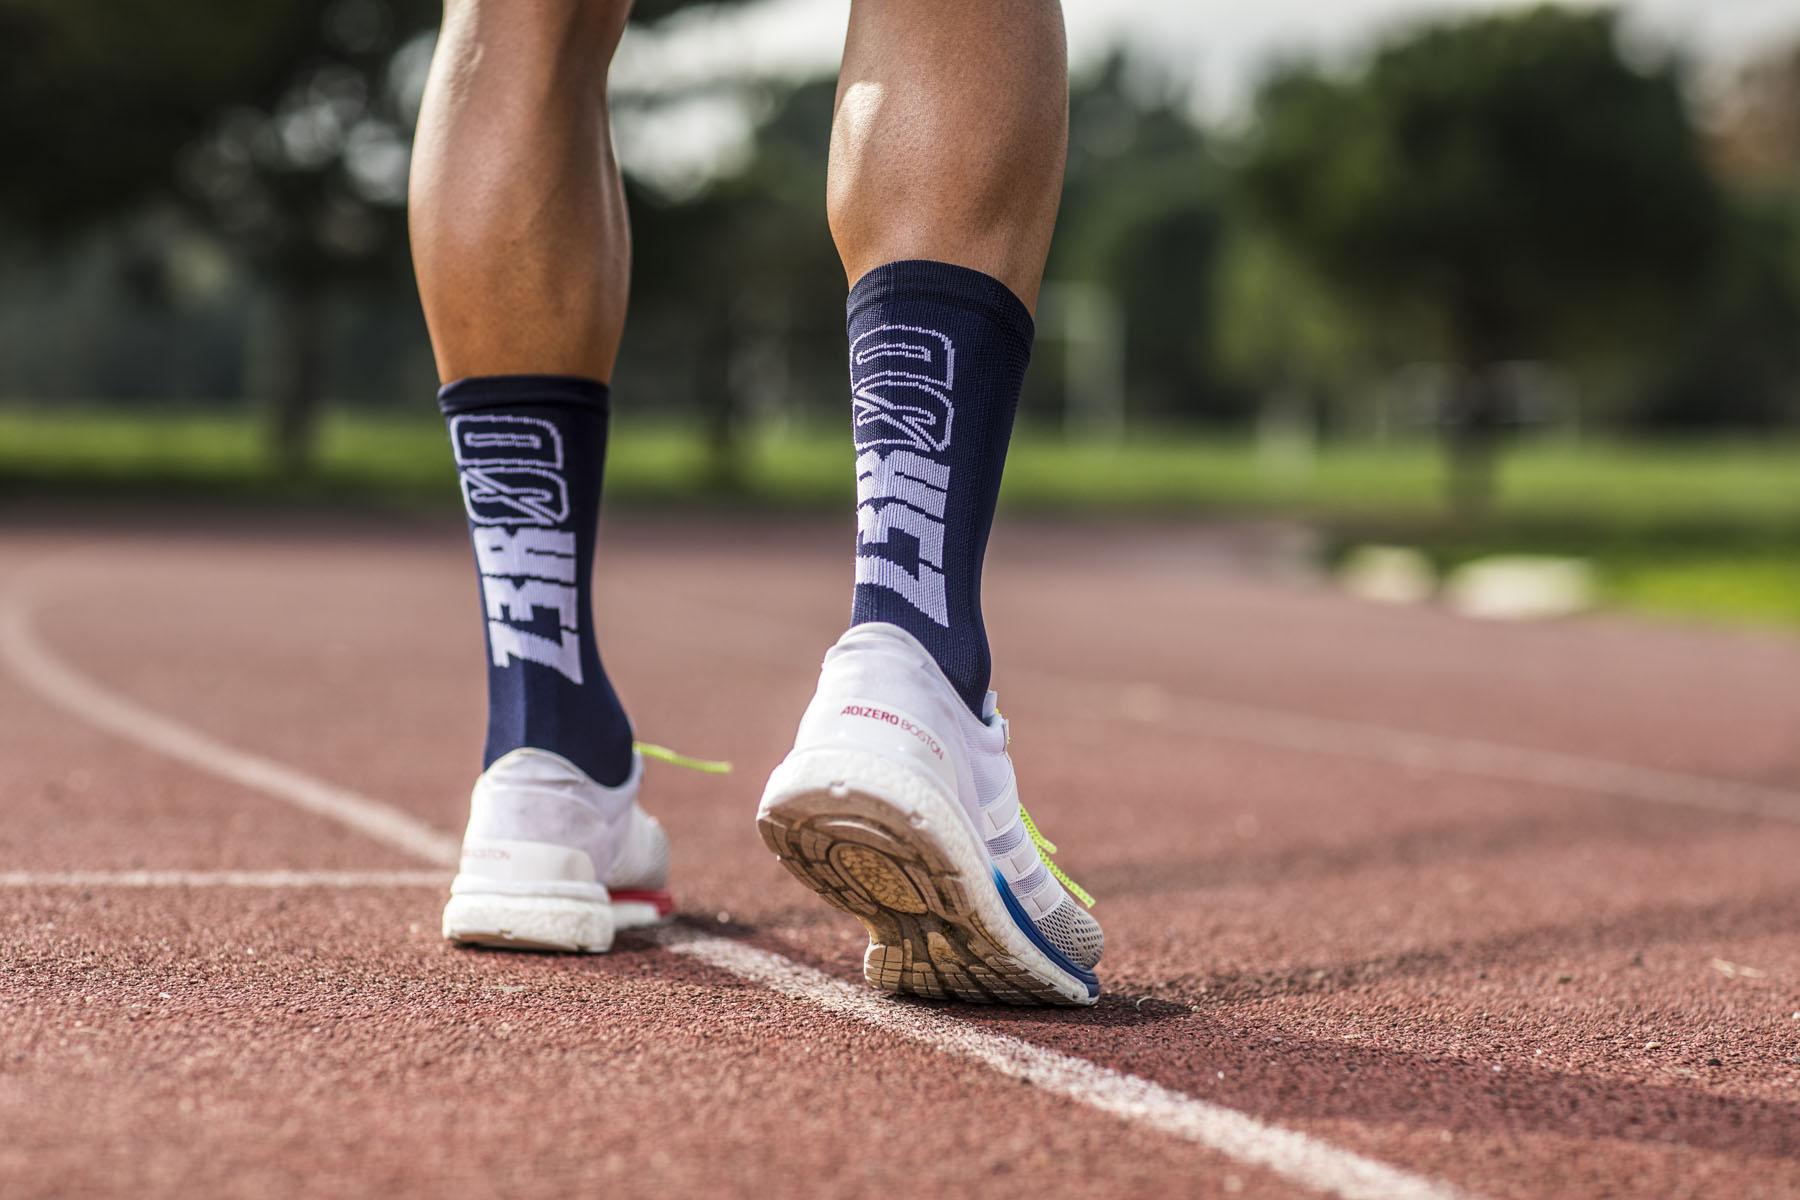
{"points": [[227, 879], [779, 639], [1239, 1136], [55, 681], [1384, 744]]}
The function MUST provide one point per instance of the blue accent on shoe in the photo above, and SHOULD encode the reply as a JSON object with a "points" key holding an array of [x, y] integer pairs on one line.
{"points": [[1029, 928]]}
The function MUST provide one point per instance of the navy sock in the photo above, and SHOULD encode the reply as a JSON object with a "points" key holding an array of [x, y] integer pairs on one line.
{"points": [[530, 450], [937, 357]]}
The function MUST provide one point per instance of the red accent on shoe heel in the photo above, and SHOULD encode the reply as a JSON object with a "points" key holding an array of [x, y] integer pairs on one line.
{"points": [[662, 901]]}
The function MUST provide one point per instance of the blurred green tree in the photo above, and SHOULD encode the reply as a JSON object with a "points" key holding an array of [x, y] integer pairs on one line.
{"points": [[737, 292], [737, 303], [1503, 187], [1143, 216], [1741, 363], [97, 97], [306, 182], [1279, 327], [281, 128]]}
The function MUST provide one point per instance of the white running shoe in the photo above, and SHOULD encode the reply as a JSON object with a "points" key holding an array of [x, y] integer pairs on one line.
{"points": [[898, 806], [554, 861]]}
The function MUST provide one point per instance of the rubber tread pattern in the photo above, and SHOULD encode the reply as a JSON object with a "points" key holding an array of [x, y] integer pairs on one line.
{"points": [[887, 868]]}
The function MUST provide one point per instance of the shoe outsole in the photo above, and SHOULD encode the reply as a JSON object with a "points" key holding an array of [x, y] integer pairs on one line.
{"points": [[905, 867]]}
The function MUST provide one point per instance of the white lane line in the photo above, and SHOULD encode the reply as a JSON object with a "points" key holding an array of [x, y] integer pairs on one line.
{"points": [[1239, 1136], [779, 640], [1304, 1160], [223, 879], [1488, 760], [50, 678]]}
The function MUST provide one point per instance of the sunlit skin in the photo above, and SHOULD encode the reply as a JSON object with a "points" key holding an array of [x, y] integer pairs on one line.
{"points": [[948, 143], [950, 135], [517, 214]]}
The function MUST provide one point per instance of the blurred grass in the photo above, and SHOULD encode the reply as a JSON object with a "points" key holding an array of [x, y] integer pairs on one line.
{"points": [[1741, 590], [1695, 530]]}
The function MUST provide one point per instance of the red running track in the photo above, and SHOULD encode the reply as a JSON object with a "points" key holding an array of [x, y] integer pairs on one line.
{"points": [[1475, 902]]}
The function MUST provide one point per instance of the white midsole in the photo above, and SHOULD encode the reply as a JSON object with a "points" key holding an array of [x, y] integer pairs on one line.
{"points": [[635, 914], [533, 922], [467, 884]]}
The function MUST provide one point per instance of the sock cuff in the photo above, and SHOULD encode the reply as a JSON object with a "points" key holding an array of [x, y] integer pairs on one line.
{"points": [[508, 391], [916, 279]]}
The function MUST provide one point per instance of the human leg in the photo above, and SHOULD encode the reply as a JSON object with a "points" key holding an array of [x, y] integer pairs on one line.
{"points": [[950, 135], [898, 802], [521, 248], [516, 210], [946, 166]]}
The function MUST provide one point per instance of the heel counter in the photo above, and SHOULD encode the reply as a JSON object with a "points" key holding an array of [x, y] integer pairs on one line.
{"points": [[513, 861], [524, 832], [848, 721]]}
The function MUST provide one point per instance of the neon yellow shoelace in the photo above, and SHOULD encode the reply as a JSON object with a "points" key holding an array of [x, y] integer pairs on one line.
{"points": [[705, 766], [1045, 848]]}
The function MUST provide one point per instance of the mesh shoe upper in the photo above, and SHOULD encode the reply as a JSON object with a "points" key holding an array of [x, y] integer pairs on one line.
{"points": [[1073, 930]]}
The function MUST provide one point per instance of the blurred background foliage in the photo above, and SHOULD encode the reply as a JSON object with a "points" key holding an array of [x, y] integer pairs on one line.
{"points": [[1518, 227]]}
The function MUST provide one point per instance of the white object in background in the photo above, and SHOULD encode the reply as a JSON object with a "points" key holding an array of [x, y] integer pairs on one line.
{"points": [[1287, 437], [1521, 588], [1091, 323], [1388, 575]]}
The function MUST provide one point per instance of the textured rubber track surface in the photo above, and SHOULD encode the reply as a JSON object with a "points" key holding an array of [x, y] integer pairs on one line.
{"points": [[926, 937], [1336, 898]]}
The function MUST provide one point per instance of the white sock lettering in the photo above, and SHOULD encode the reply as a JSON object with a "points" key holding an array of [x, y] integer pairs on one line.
{"points": [[512, 475], [509, 601], [924, 591], [901, 384], [537, 553], [509, 641], [902, 475]]}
